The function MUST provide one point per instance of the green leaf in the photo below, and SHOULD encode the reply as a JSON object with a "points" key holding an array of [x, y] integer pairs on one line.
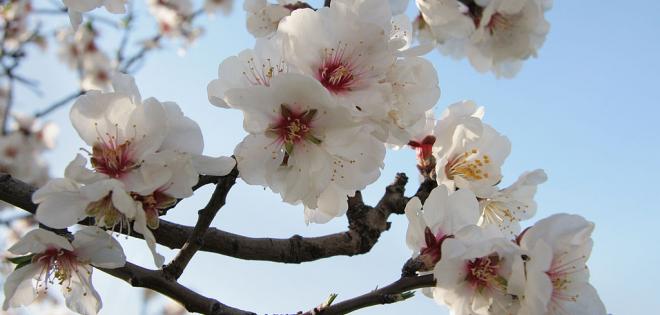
{"points": [[21, 259]]}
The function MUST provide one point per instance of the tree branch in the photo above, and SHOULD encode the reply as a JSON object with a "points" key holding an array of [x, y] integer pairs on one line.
{"points": [[365, 226], [395, 292], [196, 239], [138, 276]]}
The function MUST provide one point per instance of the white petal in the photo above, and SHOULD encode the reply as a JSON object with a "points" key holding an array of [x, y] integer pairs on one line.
{"points": [[37, 241], [94, 246], [18, 288]]}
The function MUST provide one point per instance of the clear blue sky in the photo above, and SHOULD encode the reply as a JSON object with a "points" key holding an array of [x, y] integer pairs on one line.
{"points": [[586, 111]]}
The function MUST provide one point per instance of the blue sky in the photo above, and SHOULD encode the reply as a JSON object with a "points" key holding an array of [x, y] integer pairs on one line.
{"points": [[585, 111]]}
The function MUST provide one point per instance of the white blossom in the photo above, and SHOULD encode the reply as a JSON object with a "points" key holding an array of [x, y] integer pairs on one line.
{"points": [[303, 145], [48, 258], [496, 35], [78, 7], [505, 208], [251, 67], [263, 18], [472, 278], [470, 153], [144, 156], [556, 278]]}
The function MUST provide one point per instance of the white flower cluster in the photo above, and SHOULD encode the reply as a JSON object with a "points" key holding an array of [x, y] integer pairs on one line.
{"points": [[495, 35], [144, 155], [467, 232], [321, 97], [79, 51]]}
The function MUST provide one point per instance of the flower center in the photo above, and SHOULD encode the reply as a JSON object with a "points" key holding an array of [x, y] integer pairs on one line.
{"points": [[497, 22], [467, 166], [336, 72], [111, 158], [106, 215], [482, 273], [433, 247], [153, 204], [293, 127], [58, 265]]}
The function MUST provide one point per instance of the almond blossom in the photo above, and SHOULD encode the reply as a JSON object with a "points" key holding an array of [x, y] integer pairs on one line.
{"points": [[506, 207], [77, 7], [303, 145], [251, 67], [556, 278], [473, 275], [361, 68], [496, 35], [144, 156], [263, 18], [443, 214], [470, 153], [48, 258]]}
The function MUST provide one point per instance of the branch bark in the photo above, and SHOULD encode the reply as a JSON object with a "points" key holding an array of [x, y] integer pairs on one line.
{"points": [[395, 292], [206, 215], [366, 223]]}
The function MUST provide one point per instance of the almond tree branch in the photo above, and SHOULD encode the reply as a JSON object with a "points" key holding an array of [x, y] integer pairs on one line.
{"points": [[395, 292], [138, 276], [365, 226], [206, 215]]}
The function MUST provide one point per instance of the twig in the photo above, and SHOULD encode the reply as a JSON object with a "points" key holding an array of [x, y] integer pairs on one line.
{"points": [[140, 54], [9, 103], [395, 292], [326, 3], [58, 104], [128, 27], [196, 239]]}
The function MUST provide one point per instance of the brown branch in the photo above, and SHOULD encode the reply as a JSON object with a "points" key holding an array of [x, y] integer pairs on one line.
{"points": [[365, 226], [395, 292], [138, 276], [196, 239]]}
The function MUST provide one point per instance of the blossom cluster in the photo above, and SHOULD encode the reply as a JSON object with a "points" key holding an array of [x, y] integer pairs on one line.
{"points": [[495, 35], [324, 92], [467, 232], [321, 96], [144, 156]]}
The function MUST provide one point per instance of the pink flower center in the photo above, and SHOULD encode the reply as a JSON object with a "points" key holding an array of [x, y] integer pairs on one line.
{"points": [[482, 273], [337, 72], [497, 22], [293, 127], [57, 265], [111, 158], [153, 204], [433, 246]]}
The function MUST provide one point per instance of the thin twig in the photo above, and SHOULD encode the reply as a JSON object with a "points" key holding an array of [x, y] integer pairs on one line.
{"points": [[65, 100], [196, 239], [9, 102], [395, 292]]}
